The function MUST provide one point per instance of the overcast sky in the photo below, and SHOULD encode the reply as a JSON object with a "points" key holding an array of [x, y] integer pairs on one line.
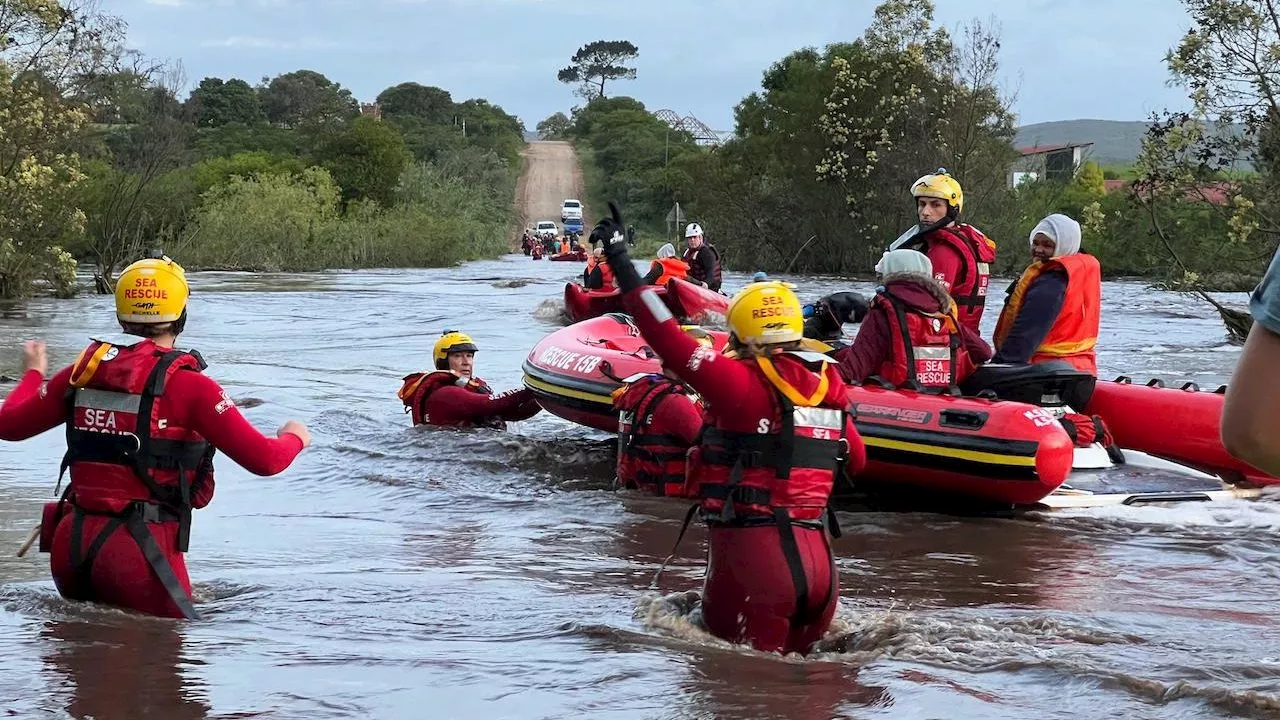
{"points": [[1066, 59]]}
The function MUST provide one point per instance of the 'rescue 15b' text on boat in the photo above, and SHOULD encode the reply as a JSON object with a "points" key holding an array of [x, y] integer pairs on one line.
{"points": [[1001, 444]]}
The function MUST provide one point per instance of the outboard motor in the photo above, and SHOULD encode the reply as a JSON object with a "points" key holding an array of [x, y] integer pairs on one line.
{"points": [[1061, 389], [1053, 384]]}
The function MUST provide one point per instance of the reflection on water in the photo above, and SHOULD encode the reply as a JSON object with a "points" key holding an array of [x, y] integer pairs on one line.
{"points": [[399, 572]]}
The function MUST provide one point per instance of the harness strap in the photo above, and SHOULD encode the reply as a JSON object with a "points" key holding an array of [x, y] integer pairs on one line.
{"points": [[785, 452], [791, 551], [146, 458], [684, 526], [160, 564], [652, 395], [134, 520]]}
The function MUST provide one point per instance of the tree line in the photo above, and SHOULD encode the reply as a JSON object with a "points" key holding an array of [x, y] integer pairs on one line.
{"points": [[815, 178], [102, 160]]}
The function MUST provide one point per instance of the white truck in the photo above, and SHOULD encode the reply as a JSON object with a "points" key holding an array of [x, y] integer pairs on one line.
{"points": [[546, 229], [570, 210]]}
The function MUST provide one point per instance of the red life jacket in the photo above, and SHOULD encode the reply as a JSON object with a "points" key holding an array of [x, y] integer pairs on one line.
{"points": [[125, 456], [927, 347], [696, 270], [969, 289], [786, 473], [419, 386], [647, 460]]}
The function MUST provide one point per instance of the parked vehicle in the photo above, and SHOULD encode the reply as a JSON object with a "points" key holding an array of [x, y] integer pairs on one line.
{"points": [[571, 210]]}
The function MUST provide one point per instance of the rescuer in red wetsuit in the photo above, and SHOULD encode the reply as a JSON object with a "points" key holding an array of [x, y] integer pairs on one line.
{"points": [[960, 253], [659, 419], [777, 433], [142, 425], [452, 397]]}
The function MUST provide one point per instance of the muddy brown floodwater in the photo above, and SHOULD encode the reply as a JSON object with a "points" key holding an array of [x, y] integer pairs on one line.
{"points": [[396, 572]]}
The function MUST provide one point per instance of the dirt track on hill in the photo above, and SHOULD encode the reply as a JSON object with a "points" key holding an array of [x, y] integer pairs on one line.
{"points": [[551, 174]]}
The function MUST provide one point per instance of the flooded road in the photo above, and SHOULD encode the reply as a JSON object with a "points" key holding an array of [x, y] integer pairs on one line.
{"points": [[395, 572]]}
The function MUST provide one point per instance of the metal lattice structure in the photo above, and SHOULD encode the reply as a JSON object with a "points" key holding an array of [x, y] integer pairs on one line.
{"points": [[701, 133]]}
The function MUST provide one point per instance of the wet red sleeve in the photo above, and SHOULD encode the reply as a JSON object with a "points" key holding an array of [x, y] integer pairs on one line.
{"points": [[516, 404], [678, 416], [978, 349], [451, 405], [724, 383], [857, 459], [29, 410], [209, 410], [864, 357], [948, 263]]}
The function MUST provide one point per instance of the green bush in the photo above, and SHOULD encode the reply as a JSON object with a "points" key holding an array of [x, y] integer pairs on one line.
{"points": [[271, 222]]}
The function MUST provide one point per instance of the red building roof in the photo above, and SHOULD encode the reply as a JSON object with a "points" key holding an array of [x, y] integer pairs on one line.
{"points": [[1215, 193]]}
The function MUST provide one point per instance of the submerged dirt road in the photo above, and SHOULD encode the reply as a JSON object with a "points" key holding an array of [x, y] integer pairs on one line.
{"points": [[551, 175]]}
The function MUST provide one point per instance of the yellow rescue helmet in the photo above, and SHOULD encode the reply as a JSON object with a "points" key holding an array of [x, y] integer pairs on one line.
{"points": [[766, 313], [151, 291], [942, 186], [450, 342]]}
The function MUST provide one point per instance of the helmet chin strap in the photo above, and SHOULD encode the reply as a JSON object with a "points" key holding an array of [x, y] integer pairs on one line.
{"points": [[914, 240], [952, 216]]}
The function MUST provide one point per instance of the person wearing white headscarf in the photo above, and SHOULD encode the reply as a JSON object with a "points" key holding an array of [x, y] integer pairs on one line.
{"points": [[1053, 311], [925, 353], [597, 275], [666, 266]]}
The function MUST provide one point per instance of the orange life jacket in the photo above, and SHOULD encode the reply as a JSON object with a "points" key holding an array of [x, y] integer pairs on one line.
{"points": [[927, 347], [649, 460], [672, 267], [1074, 335]]}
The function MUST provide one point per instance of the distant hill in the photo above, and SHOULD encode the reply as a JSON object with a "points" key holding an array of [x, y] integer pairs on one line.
{"points": [[1115, 142]]}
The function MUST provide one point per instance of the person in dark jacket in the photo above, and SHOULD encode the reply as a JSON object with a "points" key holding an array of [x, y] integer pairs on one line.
{"points": [[1053, 310], [702, 258], [912, 320]]}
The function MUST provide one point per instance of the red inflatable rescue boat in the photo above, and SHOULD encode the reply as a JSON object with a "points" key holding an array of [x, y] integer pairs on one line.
{"points": [[998, 452], [579, 256], [574, 371], [1182, 424], [1001, 446], [686, 300]]}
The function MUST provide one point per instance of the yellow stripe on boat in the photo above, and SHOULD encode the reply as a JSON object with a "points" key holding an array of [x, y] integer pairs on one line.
{"points": [[567, 392], [971, 455]]}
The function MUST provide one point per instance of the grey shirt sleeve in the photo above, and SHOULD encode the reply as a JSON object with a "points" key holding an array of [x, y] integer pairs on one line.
{"points": [[1265, 303]]}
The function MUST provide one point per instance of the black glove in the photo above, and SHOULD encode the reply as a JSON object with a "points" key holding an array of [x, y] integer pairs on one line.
{"points": [[610, 233]]}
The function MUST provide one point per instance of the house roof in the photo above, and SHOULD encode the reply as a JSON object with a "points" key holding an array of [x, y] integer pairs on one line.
{"points": [[1214, 193], [1042, 149]]}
